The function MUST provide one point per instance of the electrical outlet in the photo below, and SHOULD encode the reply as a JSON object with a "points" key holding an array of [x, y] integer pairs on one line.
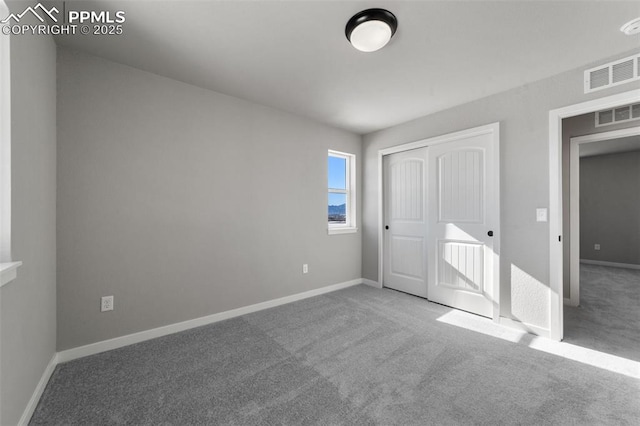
{"points": [[596, 247], [106, 303], [305, 268]]}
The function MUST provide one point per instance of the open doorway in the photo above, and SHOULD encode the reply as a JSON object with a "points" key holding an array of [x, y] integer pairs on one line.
{"points": [[602, 228], [618, 193], [558, 165]]}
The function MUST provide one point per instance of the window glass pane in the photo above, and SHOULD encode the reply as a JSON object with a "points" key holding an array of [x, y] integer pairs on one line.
{"points": [[337, 173], [337, 208]]}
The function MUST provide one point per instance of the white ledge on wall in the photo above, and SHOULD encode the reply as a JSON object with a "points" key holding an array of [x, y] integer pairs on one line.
{"points": [[8, 272], [336, 231]]}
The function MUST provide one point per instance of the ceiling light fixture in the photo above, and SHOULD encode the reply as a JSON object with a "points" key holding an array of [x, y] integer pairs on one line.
{"points": [[631, 27], [371, 29]]}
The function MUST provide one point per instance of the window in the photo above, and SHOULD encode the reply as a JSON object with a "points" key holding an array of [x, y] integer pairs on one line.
{"points": [[341, 212]]}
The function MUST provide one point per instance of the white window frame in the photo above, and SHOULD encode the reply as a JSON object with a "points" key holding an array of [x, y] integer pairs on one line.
{"points": [[8, 268], [350, 191], [5, 143]]}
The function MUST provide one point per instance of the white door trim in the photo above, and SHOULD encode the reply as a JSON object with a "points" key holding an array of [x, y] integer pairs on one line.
{"points": [[556, 116], [574, 203], [493, 128]]}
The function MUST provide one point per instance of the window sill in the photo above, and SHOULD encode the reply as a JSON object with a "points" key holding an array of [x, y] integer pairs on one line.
{"points": [[338, 231], [8, 272]]}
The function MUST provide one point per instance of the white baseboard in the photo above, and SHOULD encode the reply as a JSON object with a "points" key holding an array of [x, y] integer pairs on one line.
{"points": [[612, 264], [37, 393], [523, 326], [130, 339], [371, 283]]}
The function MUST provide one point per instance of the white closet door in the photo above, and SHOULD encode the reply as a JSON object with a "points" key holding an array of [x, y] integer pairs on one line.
{"points": [[405, 235], [463, 226]]}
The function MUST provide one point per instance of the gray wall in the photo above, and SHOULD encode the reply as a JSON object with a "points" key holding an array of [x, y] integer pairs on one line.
{"points": [[28, 310], [182, 202], [610, 207], [580, 125], [523, 114]]}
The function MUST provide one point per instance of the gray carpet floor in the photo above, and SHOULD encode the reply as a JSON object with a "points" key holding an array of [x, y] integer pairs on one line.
{"points": [[358, 356], [608, 318]]}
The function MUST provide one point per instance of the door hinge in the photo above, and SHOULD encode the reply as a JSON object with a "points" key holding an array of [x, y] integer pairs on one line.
{"points": [[560, 238]]}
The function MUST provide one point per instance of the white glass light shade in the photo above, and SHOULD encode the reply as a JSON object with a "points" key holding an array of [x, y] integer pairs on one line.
{"points": [[371, 36]]}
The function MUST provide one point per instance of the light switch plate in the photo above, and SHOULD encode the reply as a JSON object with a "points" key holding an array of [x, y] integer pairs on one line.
{"points": [[541, 215]]}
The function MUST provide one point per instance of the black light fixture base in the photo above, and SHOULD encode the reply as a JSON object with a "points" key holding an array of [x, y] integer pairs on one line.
{"points": [[371, 15]]}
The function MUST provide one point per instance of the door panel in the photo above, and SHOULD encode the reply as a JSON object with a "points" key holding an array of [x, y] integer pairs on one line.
{"points": [[405, 215], [407, 189], [460, 186], [407, 256], [461, 266]]}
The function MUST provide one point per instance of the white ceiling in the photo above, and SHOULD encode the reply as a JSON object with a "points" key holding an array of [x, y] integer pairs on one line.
{"points": [[293, 55]]}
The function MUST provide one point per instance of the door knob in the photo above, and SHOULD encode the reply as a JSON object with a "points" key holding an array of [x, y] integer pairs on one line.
{"points": [[490, 233], [386, 227]]}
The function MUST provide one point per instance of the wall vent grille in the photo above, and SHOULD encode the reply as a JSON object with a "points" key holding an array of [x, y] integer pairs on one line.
{"points": [[612, 74], [618, 115]]}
